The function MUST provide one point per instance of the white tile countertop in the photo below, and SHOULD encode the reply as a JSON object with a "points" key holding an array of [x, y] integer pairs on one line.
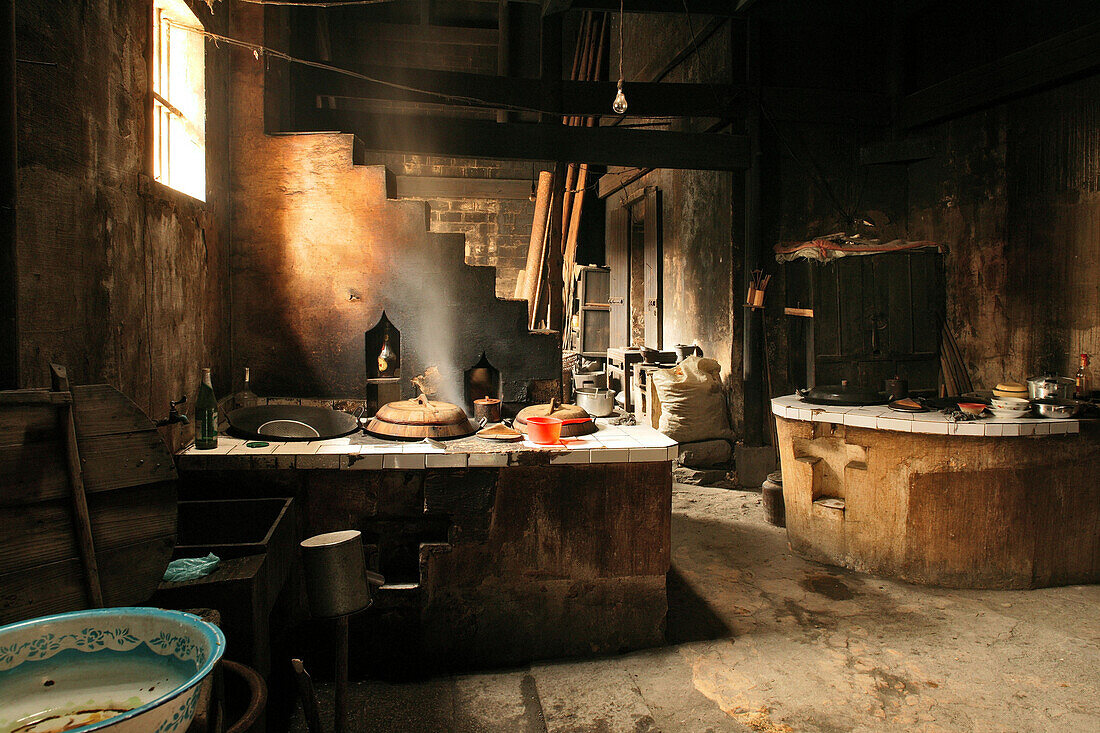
{"points": [[881, 417], [609, 444]]}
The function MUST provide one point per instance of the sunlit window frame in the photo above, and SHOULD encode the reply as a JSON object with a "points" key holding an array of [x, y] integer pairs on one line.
{"points": [[162, 107]]}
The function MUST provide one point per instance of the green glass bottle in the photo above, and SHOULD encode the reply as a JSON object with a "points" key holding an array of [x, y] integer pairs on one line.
{"points": [[206, 414]]}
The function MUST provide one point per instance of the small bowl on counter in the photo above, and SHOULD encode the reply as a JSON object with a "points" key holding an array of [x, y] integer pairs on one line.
{"points": [[972, 408], [1055, 407]]}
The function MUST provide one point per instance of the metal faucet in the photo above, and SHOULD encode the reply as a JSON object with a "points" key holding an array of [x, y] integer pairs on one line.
{"points": [[174, 415]]}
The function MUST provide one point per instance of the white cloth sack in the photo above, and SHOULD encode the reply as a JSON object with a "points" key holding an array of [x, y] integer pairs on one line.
{"points": [[693, 403]]}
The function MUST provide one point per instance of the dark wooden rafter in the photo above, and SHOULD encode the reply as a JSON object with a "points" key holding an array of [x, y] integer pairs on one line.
{"points": [[1043, 65], [578, 98], [695, 7], [517, 141]]}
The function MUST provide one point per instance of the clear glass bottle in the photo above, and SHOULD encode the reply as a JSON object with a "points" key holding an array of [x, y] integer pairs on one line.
{"points": [[1082, 389], [247, 398], [206, 414]]}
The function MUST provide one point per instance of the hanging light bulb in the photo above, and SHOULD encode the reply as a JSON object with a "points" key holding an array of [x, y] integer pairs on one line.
{"points": [[619, 105]]}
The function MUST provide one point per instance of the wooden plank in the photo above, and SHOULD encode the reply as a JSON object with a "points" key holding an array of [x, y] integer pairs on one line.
{"points": [[594, 145], [429, 187], [1044, 64], [58, 587], [35, 473], [34, 397], [41, 533], [82, 522], [100, 409], [32, 472], [121, 461], [28, 425]]}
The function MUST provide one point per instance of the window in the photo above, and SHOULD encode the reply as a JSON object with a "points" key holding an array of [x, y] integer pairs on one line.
{"points": [[179, 98]]}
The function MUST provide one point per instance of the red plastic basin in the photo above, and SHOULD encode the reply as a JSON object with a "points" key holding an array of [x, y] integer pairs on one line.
{"points": [[544, 430]]}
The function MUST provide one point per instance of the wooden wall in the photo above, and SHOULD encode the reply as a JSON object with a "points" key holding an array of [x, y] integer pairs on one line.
{"points": [[120, 279]]}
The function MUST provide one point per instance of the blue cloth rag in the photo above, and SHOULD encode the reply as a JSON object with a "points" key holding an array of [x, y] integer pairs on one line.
{"points": [[191, 568]]}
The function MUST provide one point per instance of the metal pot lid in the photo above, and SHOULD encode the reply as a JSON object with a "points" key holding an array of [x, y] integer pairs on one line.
{"points": [[1051, 379], [421, 411], [554, 408], [844, 394]]}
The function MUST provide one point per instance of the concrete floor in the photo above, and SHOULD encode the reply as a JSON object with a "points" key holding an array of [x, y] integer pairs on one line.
{"points": [[762, 640]]}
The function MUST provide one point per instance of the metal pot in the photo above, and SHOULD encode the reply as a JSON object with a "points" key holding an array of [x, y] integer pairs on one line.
{"points": [[596, 402], [843, 394], [1055, 407], [1050, 385]]}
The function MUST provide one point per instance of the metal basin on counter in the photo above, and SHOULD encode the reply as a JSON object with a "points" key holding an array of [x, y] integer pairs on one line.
{"points": [[291, 422]]}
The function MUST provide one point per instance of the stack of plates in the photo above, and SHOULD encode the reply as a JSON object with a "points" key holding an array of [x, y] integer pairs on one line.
{"points": [[1010, 406]]}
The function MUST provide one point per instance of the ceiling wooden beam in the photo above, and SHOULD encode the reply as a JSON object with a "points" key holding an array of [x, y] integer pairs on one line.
{"points": [[1045, 64], [695, 7], [429, 187], [647, 99], [467, 138]]}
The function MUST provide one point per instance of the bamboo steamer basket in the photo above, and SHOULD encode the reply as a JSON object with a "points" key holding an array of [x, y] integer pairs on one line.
{"points": [[420, 418], [555, 408]]}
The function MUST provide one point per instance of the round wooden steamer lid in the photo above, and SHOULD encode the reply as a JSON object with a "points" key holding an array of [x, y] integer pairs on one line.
{"points": [[421, 411], [551, 409]]}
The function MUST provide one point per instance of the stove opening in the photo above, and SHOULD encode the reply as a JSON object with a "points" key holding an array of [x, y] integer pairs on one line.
{"points": [[482, 380], [383, 344]]}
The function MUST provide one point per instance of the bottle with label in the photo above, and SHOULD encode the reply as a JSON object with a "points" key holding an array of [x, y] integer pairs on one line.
{"points": [[247, 398], [206, 414], [1083, 380]]}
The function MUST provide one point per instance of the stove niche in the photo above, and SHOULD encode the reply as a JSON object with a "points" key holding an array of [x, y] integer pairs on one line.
{"points": [[383, 346]]}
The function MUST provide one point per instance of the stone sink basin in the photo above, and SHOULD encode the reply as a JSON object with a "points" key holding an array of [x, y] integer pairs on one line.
{"points": [[124, 670]]}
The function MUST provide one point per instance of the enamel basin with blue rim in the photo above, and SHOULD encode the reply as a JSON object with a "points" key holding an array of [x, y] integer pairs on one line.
{"points": [[123, 670]]}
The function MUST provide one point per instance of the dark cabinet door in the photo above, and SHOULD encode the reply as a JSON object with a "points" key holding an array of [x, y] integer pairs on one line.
{"points": [[876, 316]]}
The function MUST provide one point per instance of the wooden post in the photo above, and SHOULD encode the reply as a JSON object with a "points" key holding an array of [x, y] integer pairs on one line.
{"points": [[535, 248], [308, 696], [81, 518], [555, 286], [9, 295], [504, 37], [752, 348], [341, 701]]}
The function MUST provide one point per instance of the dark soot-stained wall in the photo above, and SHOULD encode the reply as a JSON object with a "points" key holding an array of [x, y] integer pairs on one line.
{"points": [[1016, 197], [120, 279]]}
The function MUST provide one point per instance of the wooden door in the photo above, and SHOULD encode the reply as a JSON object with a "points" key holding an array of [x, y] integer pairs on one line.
{"points": [[877, 316], [653, 289], [618, 259]]}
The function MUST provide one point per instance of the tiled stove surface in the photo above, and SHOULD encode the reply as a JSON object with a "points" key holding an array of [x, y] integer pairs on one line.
{"points": [[609, 444], [881, 417]]}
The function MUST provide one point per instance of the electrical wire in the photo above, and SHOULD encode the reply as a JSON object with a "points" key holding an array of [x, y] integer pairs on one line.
{"points": [[258, 49]]}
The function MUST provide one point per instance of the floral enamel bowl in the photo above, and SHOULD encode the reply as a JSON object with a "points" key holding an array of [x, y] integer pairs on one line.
{"points": [[126, 670]]}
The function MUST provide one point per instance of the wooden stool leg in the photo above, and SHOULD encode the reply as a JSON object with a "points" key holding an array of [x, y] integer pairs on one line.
{"points": [[341, 673]]}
